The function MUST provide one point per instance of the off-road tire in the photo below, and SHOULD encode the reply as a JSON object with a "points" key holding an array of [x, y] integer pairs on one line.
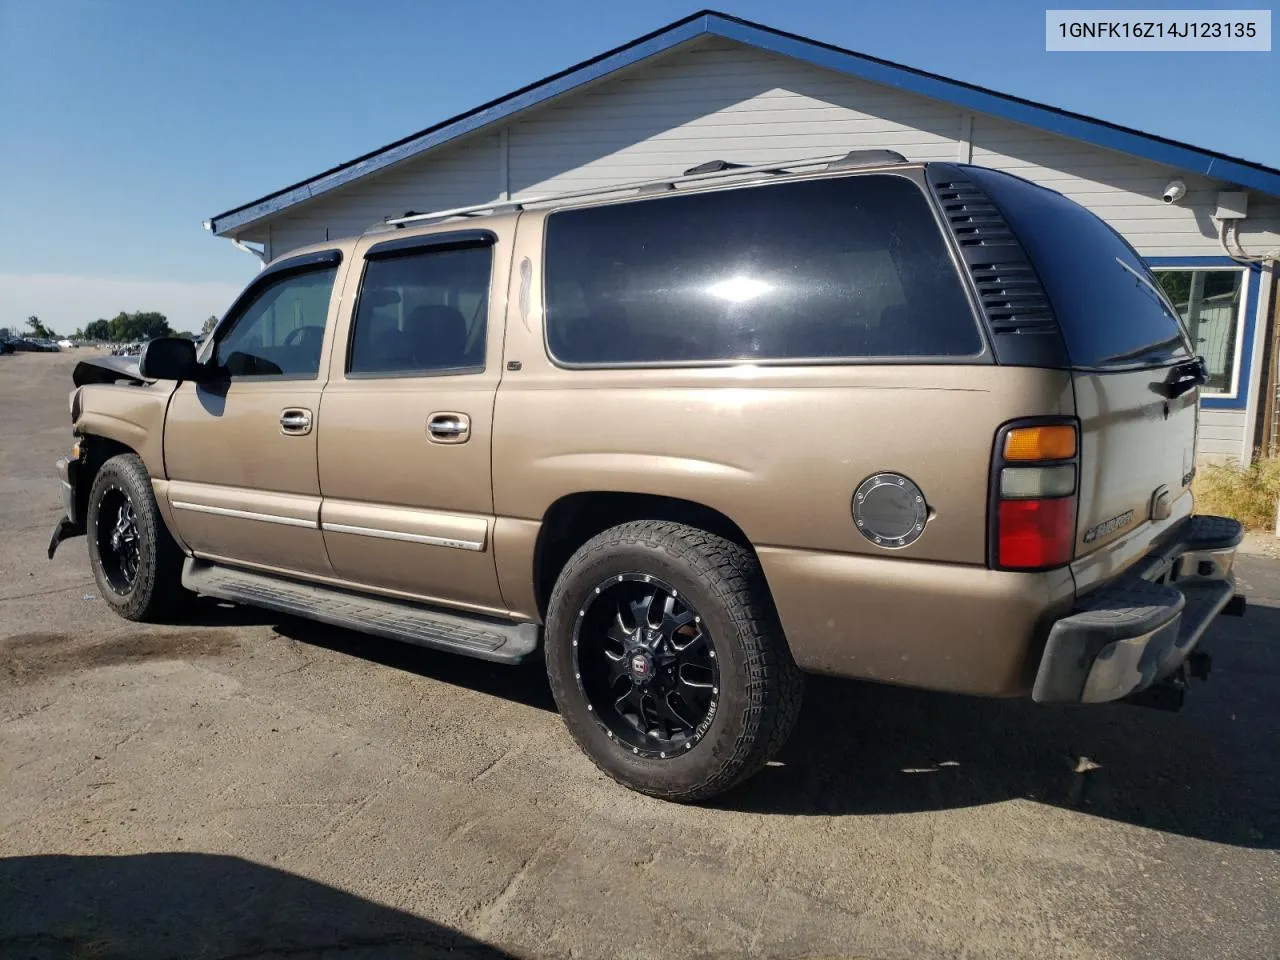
{"points": [[760, 686], [156, 592]]}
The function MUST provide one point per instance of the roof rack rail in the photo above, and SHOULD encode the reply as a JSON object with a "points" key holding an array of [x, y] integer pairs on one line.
{"points": [[713, 166], [867, 158], [710, 171]]}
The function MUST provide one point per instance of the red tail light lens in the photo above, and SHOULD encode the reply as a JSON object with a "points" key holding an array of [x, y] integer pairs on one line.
{"points": [[1035, 533], [1035, 472]]}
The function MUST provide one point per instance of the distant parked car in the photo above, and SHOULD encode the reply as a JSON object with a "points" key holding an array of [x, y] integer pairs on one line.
{"points": [[65, 344], [5, 347], [25, 345]]}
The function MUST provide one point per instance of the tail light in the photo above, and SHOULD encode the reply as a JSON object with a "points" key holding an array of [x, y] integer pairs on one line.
{"points": [[1035, 482]]}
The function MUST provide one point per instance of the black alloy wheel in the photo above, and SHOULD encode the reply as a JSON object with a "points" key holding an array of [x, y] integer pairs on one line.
{"points": [[135, 560], [646, 663], [118, 542], [667, 660]]}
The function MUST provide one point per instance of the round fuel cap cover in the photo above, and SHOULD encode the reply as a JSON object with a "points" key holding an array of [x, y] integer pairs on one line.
{"points": [[889, 510]]}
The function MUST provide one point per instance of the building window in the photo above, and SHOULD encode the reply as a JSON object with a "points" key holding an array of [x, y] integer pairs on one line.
{"points": [[1211, 304]]}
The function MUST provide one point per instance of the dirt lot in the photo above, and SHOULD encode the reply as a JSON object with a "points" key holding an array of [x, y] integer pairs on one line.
{"points": [[241, 785]]}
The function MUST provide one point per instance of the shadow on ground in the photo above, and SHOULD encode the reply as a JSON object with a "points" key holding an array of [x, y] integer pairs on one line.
{"points": [[199, 905], [1209, 772], [526, 683]]}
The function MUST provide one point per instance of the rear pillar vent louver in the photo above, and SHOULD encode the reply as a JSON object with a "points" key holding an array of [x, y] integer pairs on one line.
{"points": [[1008, 289]]}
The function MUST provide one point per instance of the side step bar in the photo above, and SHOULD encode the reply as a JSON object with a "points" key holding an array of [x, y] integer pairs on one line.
{"points": [[475, 636]]}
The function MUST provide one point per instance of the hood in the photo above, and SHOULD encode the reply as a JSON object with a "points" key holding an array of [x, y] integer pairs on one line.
{"points": [[107, 369]]}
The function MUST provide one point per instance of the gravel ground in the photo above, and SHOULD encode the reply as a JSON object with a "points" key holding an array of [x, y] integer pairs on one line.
{"points": [[249, 786]]}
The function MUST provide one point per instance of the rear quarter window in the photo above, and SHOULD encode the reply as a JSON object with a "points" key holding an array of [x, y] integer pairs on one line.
{"points": [[832, 269], [1109, 307]]}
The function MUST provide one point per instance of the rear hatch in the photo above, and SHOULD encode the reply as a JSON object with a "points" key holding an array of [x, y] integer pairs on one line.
{"points": [[1135, 378]]}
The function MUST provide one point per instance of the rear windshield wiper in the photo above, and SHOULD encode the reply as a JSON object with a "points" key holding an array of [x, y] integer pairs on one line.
{"points": [[1151, 351], [1145, 281]]}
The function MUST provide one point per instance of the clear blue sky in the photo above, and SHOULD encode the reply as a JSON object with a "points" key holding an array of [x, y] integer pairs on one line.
{"points": [[125, 123]]}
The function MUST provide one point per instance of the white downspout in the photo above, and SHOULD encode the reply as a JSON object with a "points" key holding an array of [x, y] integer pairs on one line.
{"points": [[260, 254], [240, 245]]}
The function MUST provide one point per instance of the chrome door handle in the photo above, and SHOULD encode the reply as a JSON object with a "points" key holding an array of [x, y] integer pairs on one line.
{"points": [[449, 427], [295, 422]]}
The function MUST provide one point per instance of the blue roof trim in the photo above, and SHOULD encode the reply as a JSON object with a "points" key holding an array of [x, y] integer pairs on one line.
{"points": [[967, 96]]}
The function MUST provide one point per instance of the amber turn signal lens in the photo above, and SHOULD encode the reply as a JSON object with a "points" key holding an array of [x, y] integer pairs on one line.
{"points": [[1056, 442]]}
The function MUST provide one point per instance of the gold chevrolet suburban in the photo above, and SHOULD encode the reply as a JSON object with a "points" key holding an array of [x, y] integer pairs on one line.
{"points": [[924, 424]]}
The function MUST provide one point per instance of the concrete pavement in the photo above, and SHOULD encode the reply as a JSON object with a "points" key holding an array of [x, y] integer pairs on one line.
{"points": [[245, 785]]}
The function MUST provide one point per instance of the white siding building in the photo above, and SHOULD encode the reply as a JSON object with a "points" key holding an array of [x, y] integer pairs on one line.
{"points": [[715, 87]]}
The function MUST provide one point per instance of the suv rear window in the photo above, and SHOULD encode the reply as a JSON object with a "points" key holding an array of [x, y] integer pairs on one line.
{"points": [[821, 269], [1109, 306]]}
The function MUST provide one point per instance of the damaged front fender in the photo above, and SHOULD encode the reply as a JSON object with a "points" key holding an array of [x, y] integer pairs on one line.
{"points": [[71, 524]]}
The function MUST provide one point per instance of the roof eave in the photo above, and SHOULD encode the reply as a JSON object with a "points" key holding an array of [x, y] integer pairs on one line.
{"points": [[1099, 133], [536, 94], [1053, 120]]}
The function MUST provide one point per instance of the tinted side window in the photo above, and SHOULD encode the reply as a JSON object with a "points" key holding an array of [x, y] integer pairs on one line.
{"points": [[836, 268], [422, 312], [281, 331], [1107, 302]]}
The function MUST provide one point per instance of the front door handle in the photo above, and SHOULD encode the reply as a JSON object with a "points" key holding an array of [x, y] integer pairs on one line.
{"points": [[449, 427], [295, 422]]}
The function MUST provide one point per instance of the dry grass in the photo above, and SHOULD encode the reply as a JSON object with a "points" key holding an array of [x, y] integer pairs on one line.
{"points": [[1248, 495]]}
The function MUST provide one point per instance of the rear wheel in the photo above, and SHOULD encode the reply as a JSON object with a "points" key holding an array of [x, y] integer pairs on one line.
{"points": [[667, 662], [135, 560]]}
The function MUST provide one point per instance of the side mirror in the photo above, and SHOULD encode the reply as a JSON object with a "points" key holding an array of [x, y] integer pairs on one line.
{"points": [[170, 358]]}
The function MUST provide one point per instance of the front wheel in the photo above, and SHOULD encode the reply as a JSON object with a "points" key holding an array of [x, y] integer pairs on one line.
{"points": [[135, 560], [667, 661]]}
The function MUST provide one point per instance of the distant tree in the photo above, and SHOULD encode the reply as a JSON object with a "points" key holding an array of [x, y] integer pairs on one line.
{"points": [[130, 327], [39, 330], [79, 334], [208, 326], [98, 330], [186, 335]]}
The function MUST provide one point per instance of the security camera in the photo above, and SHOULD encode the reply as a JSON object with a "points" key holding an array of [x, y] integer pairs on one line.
{"points": [[1174, 191]]}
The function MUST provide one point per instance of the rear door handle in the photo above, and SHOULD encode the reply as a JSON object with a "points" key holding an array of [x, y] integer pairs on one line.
{"points": [[1183, 377], [295, 422], [446, 427]]}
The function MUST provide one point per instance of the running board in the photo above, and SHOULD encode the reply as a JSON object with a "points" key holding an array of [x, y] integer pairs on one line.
{"points": [[474, 636]]}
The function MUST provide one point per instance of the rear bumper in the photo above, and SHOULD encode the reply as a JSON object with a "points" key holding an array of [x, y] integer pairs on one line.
{"points": [[953, 627], [1139, 630], [70, 525]]}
